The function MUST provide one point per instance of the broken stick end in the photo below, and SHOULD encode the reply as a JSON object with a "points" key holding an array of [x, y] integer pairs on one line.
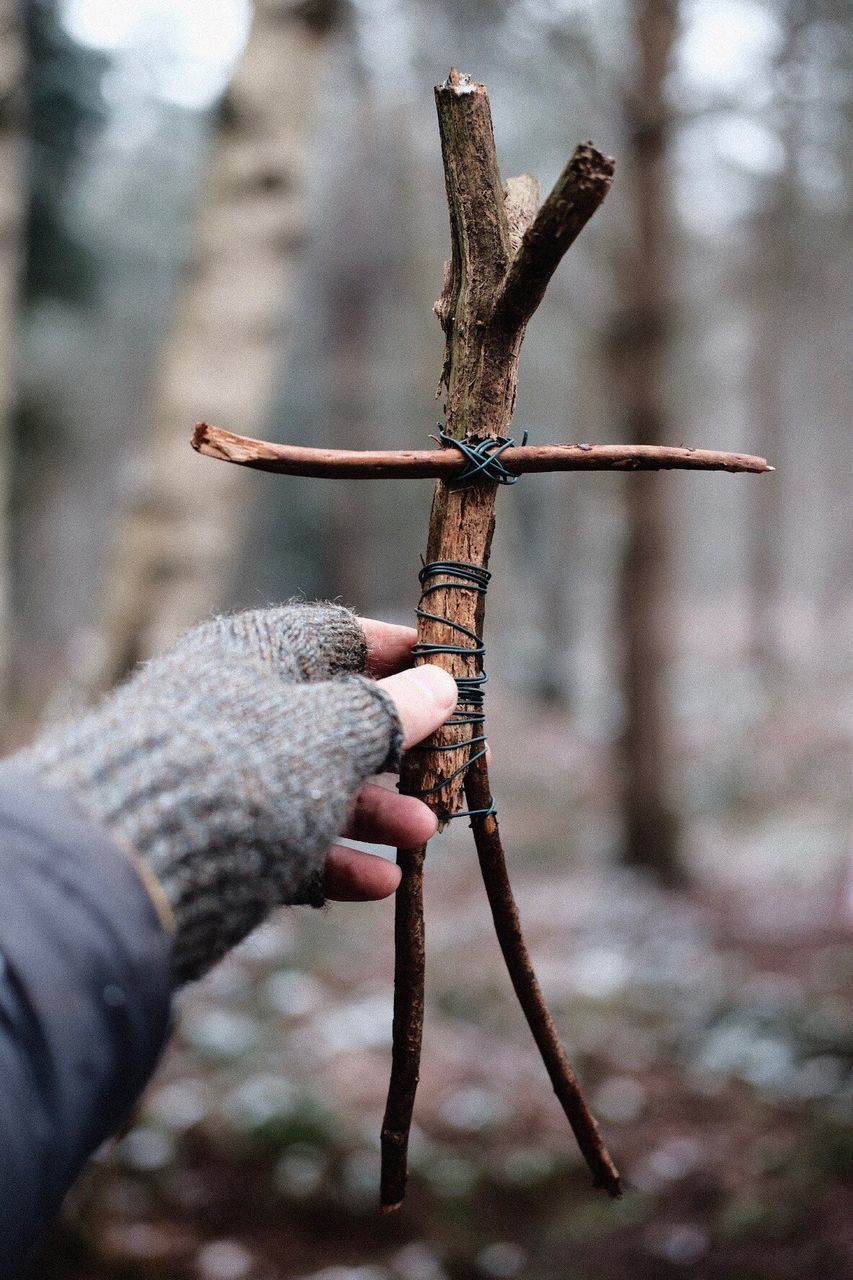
{"points": [[588, 157], [612, 1186], [391, 1208], [199, 435], [460, 82]]}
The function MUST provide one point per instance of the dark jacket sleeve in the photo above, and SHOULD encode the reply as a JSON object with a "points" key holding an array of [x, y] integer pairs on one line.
{"points": [[85, 988]]}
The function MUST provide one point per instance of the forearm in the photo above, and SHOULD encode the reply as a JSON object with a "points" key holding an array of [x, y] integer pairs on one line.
{"points": [[209, 788], [85, 989]]}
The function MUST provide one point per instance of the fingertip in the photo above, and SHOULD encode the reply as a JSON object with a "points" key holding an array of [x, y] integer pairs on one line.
{"points": [[351, 875], [425, 697], [439, 682], [430, 823], [421, 822], [396, 877], [384, 882]]}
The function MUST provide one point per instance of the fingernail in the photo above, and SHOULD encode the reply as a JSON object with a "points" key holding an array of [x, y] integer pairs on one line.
{"points": [[440, 684]]}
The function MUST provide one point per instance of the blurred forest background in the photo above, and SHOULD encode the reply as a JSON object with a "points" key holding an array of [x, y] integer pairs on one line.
{"points": [[233, 212]]}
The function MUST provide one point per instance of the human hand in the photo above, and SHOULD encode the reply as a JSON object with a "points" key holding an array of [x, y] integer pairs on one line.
{"points": [[230, 765], [379, 815]]}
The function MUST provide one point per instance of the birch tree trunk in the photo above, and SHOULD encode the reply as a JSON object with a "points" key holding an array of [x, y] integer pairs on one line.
{"points": [[637, 351], [11, 223], [177, 540]]}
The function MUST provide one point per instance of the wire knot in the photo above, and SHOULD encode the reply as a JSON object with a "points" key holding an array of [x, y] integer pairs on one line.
{"points": [[483, 460]]}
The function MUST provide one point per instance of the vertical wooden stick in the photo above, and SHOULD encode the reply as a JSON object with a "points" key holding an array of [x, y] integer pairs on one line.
{"points": [[408, 1026], [497, 274]]}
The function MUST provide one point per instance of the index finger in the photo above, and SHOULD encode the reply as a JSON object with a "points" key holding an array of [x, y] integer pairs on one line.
{"points": [[389, 647]]}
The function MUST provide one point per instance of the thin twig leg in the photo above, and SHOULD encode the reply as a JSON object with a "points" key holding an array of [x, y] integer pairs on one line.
{"points": [[409, 957], [508, 928]]}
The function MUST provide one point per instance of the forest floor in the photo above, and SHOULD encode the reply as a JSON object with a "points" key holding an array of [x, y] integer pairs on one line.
{"points": [[713, 1031]]}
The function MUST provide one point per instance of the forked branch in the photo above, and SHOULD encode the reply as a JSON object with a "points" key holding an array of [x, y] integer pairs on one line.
{"points": [[519, 965], [577, 193]]}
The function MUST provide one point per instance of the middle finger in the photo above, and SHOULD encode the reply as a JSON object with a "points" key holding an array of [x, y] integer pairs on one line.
{"points": [[382, 816]]}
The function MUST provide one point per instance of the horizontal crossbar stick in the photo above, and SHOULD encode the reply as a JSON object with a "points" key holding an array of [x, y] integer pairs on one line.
{"points": [[378, 464]]}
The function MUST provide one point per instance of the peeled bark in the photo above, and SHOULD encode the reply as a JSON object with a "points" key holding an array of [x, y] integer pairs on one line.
{"points": [[178, 539]]}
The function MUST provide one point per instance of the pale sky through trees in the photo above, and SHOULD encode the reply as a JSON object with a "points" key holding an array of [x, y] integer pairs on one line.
{"points": [[757, 102], [182, 50], [182, 53], [727, 46]]}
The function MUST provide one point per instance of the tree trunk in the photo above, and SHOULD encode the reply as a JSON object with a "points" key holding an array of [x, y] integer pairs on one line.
{"points": [[637, 351], [768, 413], [773, 282], [11, 221], [177, 541]]}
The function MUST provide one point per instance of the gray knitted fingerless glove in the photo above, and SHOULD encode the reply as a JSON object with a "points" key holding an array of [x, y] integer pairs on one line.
{"points": [[228, 765]]}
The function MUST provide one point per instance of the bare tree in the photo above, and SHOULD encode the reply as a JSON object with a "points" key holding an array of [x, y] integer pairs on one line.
{"points": [[636, 349], [788, 287], [178, 537], [771, 279]]}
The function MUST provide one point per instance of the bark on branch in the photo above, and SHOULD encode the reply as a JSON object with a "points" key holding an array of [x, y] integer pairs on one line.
{"points": [[445, 464], [519, 965], [578, 192], [480, 375], [407, 1032]]}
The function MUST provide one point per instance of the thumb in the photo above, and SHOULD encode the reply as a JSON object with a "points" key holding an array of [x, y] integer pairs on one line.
{"points": [[424, 698]]}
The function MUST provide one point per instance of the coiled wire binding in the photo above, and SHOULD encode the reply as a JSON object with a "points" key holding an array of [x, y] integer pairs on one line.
{"points": [[469, 708], [483, 462]]}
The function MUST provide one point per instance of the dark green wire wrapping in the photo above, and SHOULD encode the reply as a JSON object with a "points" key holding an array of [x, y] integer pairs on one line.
{"points": [[482, 462], [469, 708]]}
